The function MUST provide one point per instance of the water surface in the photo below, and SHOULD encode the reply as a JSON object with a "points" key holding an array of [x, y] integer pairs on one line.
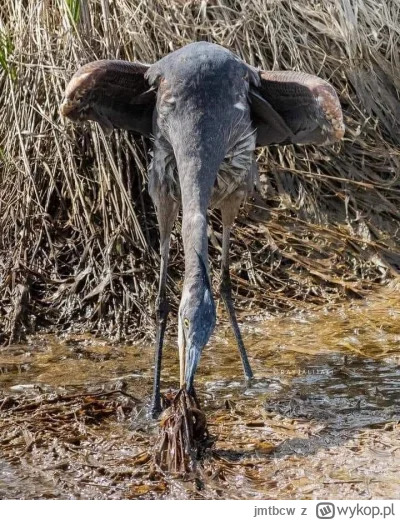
{"points": [[321, 419]]}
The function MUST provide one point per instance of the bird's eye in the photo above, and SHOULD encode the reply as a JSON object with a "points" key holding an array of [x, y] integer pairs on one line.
{"points": [[186, 323]]}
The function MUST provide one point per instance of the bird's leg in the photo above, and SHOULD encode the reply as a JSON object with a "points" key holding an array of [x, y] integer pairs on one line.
{"points": [[167, 210], [228, 214], [162, 309]]}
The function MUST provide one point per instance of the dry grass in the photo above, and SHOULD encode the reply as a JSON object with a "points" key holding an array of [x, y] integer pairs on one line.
{"points": [[78, 241]]}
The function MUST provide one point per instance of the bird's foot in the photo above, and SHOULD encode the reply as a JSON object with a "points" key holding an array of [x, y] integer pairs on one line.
{"points": [[249, 380], [156, 409]]}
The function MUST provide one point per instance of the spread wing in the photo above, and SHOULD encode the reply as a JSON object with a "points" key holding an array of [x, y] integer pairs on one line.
{"points": [[294, 107], [113, 93]]}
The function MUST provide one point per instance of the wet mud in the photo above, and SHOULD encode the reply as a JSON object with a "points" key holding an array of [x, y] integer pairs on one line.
{"points": [[321, 419]]}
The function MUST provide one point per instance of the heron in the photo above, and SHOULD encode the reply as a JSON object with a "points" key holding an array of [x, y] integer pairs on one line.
{"points": [[206, 111]]}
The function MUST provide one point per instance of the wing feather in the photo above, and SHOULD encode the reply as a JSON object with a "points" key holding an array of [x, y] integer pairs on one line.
{"points": [[308, 105], [113, 93]]}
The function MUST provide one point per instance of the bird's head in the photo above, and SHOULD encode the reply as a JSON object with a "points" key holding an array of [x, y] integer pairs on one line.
{"points": [[196, 323]]}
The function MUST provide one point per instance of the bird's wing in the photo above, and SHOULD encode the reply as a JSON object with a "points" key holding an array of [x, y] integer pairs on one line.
{"points": [[294, 107], [113, 93]]}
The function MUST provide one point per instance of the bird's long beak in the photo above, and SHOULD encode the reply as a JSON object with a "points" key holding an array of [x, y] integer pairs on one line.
{"points": [[192, 360], [189, 357], [182, 352]]}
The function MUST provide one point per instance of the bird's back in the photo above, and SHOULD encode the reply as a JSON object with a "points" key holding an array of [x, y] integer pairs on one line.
{"points": [[203, 107], [200, 85], [202, 70]]}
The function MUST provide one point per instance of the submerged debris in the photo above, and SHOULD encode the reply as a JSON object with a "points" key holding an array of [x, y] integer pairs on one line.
{"points": [[64, 411], [183, 436]]}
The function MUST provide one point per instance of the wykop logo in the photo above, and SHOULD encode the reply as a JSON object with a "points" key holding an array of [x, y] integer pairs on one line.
{"points": [[325, 510]]}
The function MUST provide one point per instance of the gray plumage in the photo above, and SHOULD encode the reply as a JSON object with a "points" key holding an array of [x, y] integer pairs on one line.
{"points": [[206, 111]]}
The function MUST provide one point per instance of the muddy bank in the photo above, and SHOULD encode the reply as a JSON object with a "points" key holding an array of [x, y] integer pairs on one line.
{"points": [[320, 421]]}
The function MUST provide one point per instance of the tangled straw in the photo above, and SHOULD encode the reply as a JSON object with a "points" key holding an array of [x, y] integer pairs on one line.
{"points": [[183, 434]]}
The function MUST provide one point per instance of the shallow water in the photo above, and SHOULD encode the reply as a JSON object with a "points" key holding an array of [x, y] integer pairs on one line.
{"points": [[321, 419]]}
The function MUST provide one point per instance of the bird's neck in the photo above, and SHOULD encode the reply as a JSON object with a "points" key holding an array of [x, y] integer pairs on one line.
{"points": [[195, 243], [198, 160]]}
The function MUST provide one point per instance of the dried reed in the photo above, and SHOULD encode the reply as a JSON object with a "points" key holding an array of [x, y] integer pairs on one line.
{"points": [[78, 238]]}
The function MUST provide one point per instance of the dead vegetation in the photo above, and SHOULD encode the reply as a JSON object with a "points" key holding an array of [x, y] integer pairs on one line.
{"points": [[183, 434], [78, 239], [56, 435]]}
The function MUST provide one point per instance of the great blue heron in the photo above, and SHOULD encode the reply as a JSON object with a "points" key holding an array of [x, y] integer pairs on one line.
{"points": [[206, 111]]}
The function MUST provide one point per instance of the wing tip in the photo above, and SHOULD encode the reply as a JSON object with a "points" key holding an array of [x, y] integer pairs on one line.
{"points": [[80, 84], [329, 103], [66, 107], [324, 95]]}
